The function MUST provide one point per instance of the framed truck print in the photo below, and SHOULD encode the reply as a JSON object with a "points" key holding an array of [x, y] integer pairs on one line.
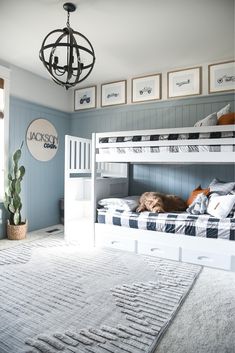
{"points": [[85, 98], [146, 88], [221, 77], [113, 93], [182, 83]]}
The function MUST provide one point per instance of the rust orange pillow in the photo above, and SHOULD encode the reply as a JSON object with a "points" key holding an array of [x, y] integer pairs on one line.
{"points": [[195, 192], [227, 119]]}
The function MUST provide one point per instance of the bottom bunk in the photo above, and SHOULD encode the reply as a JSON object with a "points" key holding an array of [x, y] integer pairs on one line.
{"points": [[200, 239]]}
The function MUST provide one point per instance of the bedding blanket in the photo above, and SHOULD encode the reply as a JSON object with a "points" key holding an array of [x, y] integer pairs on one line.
{"points": [[177, 223]]}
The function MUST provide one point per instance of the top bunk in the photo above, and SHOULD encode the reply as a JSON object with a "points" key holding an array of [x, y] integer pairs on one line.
{"points": [[187, 145]]}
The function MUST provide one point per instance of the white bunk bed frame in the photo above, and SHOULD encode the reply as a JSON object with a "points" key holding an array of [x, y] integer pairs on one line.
{"points": [[83, 160], [215, 253]]}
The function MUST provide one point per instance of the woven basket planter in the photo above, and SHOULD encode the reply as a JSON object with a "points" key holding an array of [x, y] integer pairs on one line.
{"points": [[16, 232]]}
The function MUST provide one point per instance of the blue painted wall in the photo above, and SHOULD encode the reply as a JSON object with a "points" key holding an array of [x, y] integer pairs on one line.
{"points": [[157, 115], [179, 179], [43, 183], [176, 179]]}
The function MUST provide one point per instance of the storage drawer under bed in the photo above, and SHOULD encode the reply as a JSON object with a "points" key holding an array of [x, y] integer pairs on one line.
{"points": [[159, 250], [206, 258], [116, 242]]}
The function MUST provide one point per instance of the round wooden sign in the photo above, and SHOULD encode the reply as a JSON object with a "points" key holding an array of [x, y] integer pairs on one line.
{"points": [[42, 139]]}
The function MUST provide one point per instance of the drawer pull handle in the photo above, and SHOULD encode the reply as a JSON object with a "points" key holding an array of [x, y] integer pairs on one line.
{"points": [[204, 258], [156, 249], [115, 242]]}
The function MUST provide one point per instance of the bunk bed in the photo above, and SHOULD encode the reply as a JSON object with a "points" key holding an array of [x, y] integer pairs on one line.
{"points": [[197, 239]]}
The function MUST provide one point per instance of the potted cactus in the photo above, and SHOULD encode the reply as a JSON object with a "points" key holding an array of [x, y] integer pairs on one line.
{"points": [[16, 228]]}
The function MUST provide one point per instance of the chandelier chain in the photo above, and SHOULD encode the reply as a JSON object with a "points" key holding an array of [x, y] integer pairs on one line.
{"points": [[68, 24]]}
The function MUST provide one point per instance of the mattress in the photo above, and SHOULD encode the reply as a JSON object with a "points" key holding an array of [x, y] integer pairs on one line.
{"points": [[173, 223], [168, 137], [168, 149]]}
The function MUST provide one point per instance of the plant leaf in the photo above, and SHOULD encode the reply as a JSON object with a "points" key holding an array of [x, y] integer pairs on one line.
{"points": [[11, 188], [17, 187], [16, 218], [16, 156], [22, 172], [11, 208], [16, 201], [17, 174]]}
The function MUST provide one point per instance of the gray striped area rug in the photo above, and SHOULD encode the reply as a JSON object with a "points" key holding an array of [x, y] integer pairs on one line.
{"points": [[56, 297]]}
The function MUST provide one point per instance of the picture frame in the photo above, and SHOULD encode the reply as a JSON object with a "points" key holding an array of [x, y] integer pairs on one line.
{"points": [[113, 93], [221, 77], [146, 88], [185, 82], [85, 98]]}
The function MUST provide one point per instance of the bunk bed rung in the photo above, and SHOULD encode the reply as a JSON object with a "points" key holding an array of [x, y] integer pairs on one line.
{"points": [[170, 158]]}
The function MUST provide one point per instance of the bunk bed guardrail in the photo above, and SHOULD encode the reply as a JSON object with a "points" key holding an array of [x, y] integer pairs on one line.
{"points": [[216, 142]]}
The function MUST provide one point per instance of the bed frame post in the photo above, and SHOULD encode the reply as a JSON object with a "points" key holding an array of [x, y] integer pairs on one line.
{"points": [[93, 183], [66, 178]]}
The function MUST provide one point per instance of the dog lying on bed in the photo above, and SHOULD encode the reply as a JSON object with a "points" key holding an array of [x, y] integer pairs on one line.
{"points": [[158, 202]]}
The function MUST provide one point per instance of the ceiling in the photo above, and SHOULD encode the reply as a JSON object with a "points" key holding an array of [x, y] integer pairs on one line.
{"points": [[130, 37]]}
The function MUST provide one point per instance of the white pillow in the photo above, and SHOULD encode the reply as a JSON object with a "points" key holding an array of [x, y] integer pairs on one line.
{"points": [[221, 187], [128, 203], [210, 120], [224, 110], [220, 206]]}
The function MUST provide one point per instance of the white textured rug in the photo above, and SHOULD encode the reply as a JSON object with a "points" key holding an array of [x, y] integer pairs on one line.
{"points": [[57, 298], [206, 321]]}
